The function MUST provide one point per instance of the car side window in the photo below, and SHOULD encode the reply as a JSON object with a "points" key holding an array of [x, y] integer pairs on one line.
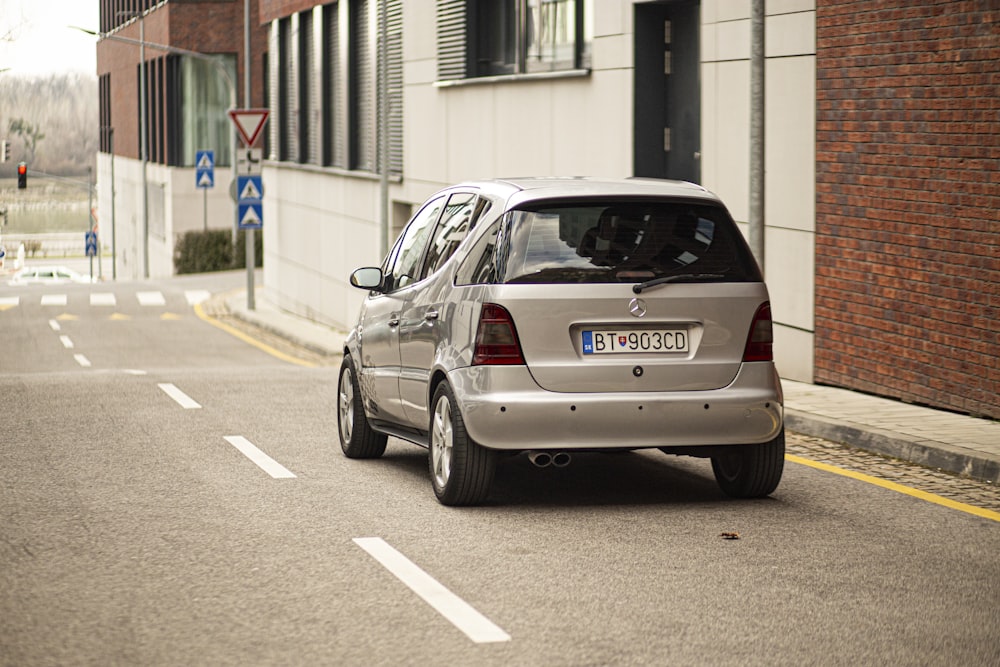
{"points": [[405, 269], [478, 266], [456, 221]]}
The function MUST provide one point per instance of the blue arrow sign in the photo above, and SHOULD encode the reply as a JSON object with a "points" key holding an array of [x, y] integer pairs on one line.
{"points": [[204, 169], [250, 214]]}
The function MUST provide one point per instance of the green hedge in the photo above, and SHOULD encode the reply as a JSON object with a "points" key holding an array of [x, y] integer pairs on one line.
{"points": [[202, 252]]}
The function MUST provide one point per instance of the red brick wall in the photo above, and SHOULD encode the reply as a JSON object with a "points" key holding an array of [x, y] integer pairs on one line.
{"points": [[279, 9], [908, 200], [208, 27]]}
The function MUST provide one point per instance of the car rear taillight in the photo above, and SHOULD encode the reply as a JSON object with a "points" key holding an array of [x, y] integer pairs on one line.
{"points": [[496, 338], [761, 338]]}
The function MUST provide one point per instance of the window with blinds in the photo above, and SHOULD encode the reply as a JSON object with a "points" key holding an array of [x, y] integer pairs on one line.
{"points": [[478, 38], [362, 87], [324, 77]]}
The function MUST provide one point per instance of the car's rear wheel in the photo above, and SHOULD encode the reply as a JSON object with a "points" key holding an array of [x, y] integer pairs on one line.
{"points": [[461, 470], [357, 438], [750, 471]]}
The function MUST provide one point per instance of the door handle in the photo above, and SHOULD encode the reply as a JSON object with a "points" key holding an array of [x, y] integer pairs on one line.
{"points": [[393, 320], [431, 315]]}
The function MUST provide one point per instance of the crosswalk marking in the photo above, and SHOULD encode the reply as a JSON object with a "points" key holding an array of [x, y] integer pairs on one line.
{"points": [[150, 298], [145, 298], [53, 299], [196, 296], [55, 325], [67, 343]]}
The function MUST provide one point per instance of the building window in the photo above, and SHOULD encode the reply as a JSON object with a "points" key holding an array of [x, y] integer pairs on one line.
{"points": [[324, 70], [204, 103], [478, 38], [334, 89], [362, 87], [107, 131]]}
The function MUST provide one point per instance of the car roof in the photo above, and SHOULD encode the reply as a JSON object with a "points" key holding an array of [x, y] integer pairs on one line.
{"points": [[521, 190]]}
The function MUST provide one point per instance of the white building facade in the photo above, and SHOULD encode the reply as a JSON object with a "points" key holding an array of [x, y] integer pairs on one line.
{"points": [[521, 88]]}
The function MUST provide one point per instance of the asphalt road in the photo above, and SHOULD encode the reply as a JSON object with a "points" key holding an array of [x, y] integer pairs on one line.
{"points": [[138, 527]]}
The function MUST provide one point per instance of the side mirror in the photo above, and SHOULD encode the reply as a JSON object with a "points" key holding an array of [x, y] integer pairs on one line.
{"points": [[369, 278]]}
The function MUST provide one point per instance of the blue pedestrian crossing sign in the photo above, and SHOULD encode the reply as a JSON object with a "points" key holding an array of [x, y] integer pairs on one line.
{"points": [[250, 214], [90, 242], [249, 188], [204, 169], [250, 202]]}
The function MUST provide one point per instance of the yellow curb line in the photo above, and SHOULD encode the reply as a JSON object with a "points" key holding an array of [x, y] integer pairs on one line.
{"points": [[200, 312], [899, 488]]}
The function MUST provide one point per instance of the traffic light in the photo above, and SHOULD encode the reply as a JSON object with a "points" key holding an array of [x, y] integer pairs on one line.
{"points": [[5, 151], [22, 176]]}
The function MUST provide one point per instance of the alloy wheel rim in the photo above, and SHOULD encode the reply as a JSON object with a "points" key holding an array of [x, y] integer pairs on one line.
{"points": [[346, 406], [442, 442]]}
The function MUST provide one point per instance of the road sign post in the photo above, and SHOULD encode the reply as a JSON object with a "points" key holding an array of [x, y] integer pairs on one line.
{"points": [[249, 210]]}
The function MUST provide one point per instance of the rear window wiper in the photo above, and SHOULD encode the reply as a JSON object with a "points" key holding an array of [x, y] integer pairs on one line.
{"points": [[682, 277]]}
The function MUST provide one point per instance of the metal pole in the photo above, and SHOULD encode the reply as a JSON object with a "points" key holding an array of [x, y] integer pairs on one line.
{"points": [[383, 129], [251, 250], [757, 107], [114, 242], [143, 148], [204, 209], [90, 216]]}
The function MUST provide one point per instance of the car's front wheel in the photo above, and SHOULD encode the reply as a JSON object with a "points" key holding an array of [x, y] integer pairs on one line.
{"points": [[461, 470], [357, 438], [750, 471]]}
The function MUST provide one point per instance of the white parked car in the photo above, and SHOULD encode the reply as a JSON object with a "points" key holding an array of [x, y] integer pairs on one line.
{"points": [[49, 275]]}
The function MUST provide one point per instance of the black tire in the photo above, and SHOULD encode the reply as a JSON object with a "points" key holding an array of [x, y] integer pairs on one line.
{"points": [[357, 438], [751, 471], [461, 470]]}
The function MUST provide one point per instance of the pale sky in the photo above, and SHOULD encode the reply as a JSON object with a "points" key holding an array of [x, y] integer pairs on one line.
{"points": [[35, 37]]}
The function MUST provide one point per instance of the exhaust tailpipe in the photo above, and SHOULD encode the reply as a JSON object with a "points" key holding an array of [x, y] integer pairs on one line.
{"points": [[561, 459], [540, 459], [544, 459]]}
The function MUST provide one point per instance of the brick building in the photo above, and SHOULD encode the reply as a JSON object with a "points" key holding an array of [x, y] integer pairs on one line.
{"points": [[908, 200], [187, 99]]}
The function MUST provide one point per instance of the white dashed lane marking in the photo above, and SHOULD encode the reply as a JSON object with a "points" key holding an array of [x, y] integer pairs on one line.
{"points": [[179, 396], [102, 299], [263, 461], [460, 613], [67, 343], [82, 360]]}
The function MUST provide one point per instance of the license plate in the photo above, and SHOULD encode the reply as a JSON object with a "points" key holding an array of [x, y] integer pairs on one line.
{"points": [[622, 341]]}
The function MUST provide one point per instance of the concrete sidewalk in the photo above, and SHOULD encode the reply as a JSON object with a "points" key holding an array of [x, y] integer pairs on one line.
{"points": [[934, 438]]}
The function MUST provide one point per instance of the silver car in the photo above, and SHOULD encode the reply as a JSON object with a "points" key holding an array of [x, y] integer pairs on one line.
{"points": [[560, 315]]}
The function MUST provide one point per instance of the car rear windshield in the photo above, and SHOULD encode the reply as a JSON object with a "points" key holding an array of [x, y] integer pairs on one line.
{"points": [[623, 242]]}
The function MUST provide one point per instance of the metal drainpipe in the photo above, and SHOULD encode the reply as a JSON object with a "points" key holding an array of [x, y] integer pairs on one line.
{"points": [[757, 107]]}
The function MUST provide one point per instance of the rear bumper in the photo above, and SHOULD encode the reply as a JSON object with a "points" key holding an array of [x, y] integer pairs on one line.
{"points": [[504, 408]]}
